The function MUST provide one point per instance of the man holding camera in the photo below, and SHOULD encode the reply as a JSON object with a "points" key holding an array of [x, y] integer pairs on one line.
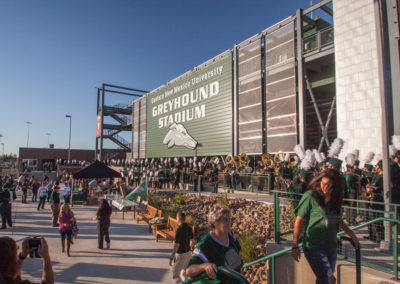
{"points": [[11, 261]]}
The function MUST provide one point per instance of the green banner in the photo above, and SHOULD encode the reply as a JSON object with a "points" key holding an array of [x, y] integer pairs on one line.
{"points": [[192, 116]]}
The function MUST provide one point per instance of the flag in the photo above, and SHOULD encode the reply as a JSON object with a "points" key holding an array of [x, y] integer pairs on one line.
{"points": [[141, 190]]}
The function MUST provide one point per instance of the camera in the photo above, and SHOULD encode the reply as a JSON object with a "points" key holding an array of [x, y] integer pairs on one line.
{"points": [[34, 244]]}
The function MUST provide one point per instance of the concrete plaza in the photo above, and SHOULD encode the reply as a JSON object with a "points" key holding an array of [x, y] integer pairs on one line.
{"points": [[134, 256]]}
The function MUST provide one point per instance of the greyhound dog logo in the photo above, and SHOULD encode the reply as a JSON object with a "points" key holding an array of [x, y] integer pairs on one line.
{"points": [[178, 135]]}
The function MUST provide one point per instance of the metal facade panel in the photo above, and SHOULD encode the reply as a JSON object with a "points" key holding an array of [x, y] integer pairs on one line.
{"points": [[197, 106], [135, 130], [280, 89], [142, 135], [250, 98]]}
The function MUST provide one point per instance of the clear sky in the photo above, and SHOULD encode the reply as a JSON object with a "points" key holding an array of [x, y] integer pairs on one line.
{"points": [[54, 53]]}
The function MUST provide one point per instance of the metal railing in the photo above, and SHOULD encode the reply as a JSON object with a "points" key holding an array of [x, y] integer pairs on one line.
{"points": [[247, 182], [225, 271], [273, 256], [388, 260], [319, 40]]}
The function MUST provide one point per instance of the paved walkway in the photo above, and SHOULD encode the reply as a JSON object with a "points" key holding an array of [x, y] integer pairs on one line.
{"points": [[134, 256]]}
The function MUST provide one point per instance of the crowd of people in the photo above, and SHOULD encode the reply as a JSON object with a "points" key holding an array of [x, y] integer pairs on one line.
{"points": [[319, 185], [43, 192]]}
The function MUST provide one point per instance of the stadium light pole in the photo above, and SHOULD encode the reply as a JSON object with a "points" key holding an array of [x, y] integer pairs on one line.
{"points": [[69, 145], [28, 123], [48, 139]]}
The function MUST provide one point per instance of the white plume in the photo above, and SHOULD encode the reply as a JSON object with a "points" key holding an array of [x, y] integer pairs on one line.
{"points": [[299, 150], [356, 153], [296, 159], [308, 160], [350, 160], [318, 156], [287, 157], [323, 156], [175, 160], [335, 148], [396, 141], [392, 150], [370, 156]]}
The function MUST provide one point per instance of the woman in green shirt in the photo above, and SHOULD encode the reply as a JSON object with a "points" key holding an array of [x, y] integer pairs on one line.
{"points": [[217, 248], [319, 213]]}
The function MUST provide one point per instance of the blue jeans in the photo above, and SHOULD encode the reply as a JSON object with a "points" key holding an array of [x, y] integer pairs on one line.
{"points": [[322, 263]]}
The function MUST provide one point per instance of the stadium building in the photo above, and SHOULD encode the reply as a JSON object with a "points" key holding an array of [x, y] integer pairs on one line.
{"points": [[330, 70]]}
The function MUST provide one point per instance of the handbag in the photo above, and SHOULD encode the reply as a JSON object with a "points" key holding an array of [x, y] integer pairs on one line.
{"points": [[75, 229]]}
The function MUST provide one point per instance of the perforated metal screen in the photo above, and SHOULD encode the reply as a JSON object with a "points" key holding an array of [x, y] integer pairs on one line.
{"points": [[250, 98], [280, 87]]}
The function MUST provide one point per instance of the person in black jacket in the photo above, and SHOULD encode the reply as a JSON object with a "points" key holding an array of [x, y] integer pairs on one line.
{"points": [[103, 223], [5, 208]]}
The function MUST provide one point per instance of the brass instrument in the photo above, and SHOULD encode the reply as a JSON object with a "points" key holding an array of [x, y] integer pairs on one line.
{"points": [[268, 159], [279, 157], [292, 161], [367, 194], [232, 160], [229, 159], [243, 160]]}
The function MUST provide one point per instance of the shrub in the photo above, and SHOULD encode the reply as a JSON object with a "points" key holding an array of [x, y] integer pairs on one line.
{"points": [[223, 200], [249, 243], [179, 199]]}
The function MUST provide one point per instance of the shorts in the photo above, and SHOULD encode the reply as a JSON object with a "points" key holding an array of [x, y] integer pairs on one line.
{"points": [[67, 234]]}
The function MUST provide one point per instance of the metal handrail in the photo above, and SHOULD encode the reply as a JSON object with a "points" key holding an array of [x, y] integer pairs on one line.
{"points": [[358, 261], [224, 270]]}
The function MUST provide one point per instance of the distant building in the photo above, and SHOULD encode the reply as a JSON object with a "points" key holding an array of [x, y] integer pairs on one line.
{"points": [[34, 158]]}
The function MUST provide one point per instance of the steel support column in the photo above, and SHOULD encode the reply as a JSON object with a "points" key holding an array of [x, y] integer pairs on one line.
{"points": [[320, 121], [140, 106], [102, 122], [385, 95], [97, 113], [300, 78], [235, 148]]}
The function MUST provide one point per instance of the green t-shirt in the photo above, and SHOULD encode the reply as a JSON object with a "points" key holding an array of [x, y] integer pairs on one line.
{"points": [[321, 224], [183, 236], [55, 196], [212, 250]]}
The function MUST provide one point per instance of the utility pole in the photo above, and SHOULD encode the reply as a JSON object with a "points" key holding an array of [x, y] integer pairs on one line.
{"points": [[69, 144]]}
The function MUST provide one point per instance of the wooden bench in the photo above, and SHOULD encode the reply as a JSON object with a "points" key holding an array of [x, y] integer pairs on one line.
{"points": [[147, 214], [168, 230]]}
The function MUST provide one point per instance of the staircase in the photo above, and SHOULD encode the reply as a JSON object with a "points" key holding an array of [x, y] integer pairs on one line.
{"points": [[121, 114], [120, 141]]}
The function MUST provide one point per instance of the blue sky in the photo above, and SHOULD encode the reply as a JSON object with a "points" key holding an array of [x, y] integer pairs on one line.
{"points": [[54, 53]]}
